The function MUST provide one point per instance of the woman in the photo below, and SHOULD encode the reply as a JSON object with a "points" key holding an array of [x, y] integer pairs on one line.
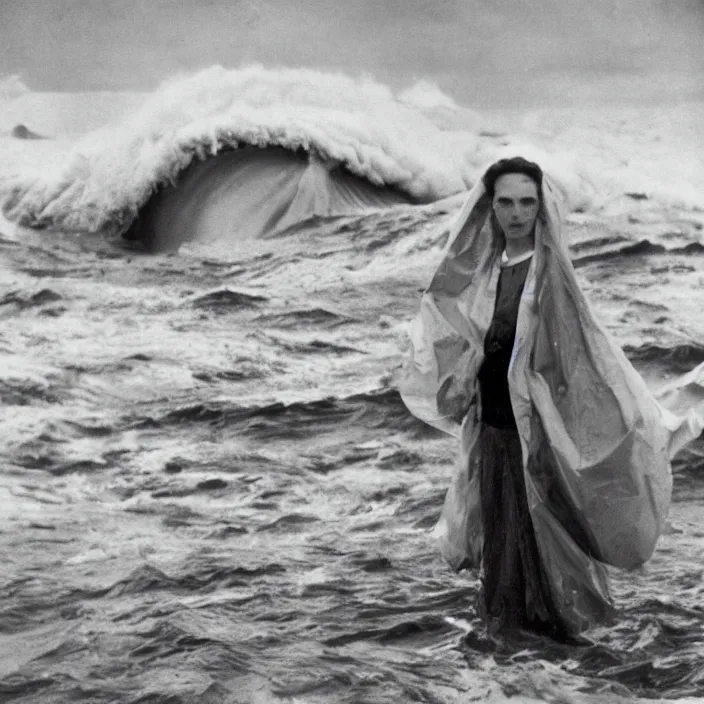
{"points": [[564, 455], [515, 591]]}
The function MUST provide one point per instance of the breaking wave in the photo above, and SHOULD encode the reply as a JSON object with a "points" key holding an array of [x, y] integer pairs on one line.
{"points": [[355, 124]]}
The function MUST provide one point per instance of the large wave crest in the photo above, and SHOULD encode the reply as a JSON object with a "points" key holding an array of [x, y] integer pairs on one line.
{"points": [[355, 123]]}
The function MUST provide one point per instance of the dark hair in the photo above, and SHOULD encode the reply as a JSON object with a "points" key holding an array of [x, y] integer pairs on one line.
{"points": [[514, 165]]}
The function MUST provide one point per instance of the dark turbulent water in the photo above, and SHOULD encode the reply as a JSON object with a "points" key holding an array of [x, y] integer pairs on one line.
{"points": [[211, 491]]}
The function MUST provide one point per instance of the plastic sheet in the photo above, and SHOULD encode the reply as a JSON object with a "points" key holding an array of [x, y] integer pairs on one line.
{"points": [[596, 444]]}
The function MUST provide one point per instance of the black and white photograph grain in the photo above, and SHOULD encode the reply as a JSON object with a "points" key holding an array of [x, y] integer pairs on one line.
{"points": [[351, 351]]}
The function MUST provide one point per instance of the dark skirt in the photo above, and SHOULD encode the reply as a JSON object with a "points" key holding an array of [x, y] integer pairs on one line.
{"points": [[515, 590]]}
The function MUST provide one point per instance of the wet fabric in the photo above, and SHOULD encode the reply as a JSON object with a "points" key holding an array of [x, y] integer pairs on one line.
{"points": [[498, 347], [515, 586], [595, 443], [515, 589]]}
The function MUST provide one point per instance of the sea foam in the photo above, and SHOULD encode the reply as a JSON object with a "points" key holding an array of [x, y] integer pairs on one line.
{"points": [[111, 172], [611, 161]]}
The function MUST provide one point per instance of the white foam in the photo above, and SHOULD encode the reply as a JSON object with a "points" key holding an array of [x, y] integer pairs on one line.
{"points": [[60, 115], [653, 150], [355, 122], [421, 143]]}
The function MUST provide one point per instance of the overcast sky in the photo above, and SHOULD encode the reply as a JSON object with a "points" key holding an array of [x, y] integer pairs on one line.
{"points": [[482, 52]]}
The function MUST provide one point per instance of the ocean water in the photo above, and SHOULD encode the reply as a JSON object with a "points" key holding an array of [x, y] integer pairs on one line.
{"points": [[210, 490]]}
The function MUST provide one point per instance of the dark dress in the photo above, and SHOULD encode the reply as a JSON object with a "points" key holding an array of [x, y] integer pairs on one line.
{"points": [[515, 591]]}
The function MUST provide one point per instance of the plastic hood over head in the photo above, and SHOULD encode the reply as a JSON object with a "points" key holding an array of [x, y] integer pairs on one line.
{"points": [[587, 422]]}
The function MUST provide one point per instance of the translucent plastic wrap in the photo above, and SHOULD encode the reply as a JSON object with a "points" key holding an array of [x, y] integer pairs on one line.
{"points": [[596, 444]]}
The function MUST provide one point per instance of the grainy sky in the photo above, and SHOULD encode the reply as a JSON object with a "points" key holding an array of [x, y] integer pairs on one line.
{"points": [[482, 52]]}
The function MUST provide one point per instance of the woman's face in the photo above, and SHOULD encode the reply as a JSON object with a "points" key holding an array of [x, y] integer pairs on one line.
{"points": [[516, 203]]}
